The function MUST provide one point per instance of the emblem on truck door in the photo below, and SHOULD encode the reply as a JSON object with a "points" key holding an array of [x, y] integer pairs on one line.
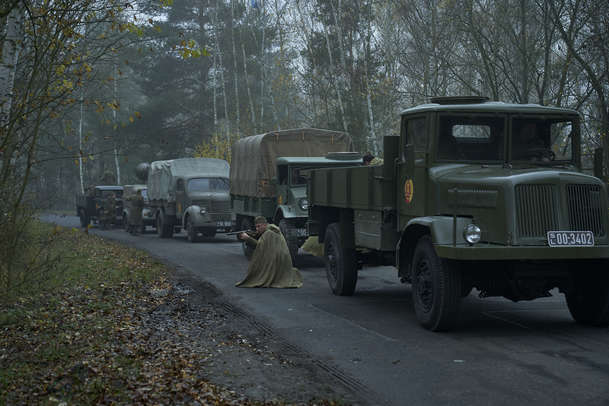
{"points": [[408, 190]]}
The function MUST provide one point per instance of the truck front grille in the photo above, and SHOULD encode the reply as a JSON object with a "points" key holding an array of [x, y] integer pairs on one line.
{"points": [[585, 213], [536, 210], [219, 206]]}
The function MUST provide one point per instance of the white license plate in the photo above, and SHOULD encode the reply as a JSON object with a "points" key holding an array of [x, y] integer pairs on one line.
{"points": [[570, 239], [223, 224]]}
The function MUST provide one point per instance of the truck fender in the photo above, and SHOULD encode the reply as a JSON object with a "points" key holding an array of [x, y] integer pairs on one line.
{"points": [[194, 213], [439, 227], [283, 211]]}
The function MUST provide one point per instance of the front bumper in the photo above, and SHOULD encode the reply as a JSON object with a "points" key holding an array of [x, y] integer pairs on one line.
{"points": [[489, 252]]}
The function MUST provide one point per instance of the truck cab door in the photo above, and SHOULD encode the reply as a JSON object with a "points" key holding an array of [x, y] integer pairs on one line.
{"points": [[412, 169]]}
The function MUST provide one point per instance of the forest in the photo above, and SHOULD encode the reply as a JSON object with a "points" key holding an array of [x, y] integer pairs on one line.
{"points": [[91, 88]]}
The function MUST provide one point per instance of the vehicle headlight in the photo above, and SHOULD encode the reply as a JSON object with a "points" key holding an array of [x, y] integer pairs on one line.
{"points": [[472, 233], [203, 210], [304, 204]]}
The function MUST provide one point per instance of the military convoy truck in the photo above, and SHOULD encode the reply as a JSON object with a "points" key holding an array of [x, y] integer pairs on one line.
{"points": [[190, 194], [89, 207], [472, 194], [266, 177]]}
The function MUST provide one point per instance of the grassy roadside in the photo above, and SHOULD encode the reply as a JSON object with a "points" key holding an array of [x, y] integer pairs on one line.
{"points": [[80, 335]]}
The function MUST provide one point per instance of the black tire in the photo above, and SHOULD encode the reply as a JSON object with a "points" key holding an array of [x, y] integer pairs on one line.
{"points": [[208, 232], [287, 229], [246, 224], [164, 230], [84, 219], [436, 288], [191, 231], [588, 298], [341, 263]]}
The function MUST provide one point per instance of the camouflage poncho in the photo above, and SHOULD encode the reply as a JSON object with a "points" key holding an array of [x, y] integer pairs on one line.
{"points": [[271, 264]]}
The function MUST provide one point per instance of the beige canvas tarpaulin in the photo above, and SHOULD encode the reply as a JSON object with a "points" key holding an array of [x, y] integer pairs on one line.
{"points": [[255, 157], [271, 264]]}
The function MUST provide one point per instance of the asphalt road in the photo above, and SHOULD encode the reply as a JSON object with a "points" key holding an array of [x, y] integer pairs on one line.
{"points": [[502, 353]]}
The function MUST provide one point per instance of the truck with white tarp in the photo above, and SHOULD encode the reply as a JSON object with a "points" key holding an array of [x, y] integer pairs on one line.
{"points": [[190, 194]]}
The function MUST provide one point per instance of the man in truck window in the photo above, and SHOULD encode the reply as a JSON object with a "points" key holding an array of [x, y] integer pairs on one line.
{"points": [[271, 264]]}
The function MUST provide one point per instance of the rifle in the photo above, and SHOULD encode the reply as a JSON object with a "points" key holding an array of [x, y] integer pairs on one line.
{"points": [[251, 233]]}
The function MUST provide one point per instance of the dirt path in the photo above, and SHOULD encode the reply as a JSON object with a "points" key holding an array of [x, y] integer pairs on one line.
{"points": [[245, 356]]}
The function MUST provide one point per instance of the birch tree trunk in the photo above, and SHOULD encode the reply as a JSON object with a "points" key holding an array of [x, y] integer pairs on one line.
{"points": [[114, 116], [8, 65], [219, 53], [336, 86], [247, 86], [235, 76]]}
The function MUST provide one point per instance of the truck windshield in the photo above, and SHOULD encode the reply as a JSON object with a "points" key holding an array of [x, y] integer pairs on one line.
{"points": [[471, 138], [538, 139], [208, 185]]}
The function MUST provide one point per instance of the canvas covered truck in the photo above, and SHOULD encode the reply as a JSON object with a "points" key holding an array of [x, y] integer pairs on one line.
{"points": [[190, 194], [266, 177], [472, 194]]}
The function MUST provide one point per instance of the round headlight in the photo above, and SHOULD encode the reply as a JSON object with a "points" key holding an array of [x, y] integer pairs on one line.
{"points": [[304, 204], [472, 233], [203, 210]]}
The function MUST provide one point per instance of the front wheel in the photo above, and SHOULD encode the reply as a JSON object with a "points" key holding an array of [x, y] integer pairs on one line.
{"points": [[588, 299], [191, 231], [341, 263], [436, 288]]}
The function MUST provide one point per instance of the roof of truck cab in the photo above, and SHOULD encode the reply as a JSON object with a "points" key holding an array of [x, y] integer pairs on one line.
{"points": [[490, 107], [313, 160], [109, 187]]}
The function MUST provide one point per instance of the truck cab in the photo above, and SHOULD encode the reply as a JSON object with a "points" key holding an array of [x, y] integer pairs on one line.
{"points": [[473, 195]]}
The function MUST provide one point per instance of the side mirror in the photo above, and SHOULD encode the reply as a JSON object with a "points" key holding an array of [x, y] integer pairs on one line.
{"points": [[599, 170]]}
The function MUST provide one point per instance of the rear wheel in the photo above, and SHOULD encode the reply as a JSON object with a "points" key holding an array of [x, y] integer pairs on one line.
{"points": [[163, 228], [341, 263], [436, 288], [588, 299], [288, 229]]}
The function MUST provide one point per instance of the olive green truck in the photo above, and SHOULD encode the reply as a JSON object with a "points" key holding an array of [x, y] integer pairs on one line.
{"points": [[472, 194], [266, 177]]}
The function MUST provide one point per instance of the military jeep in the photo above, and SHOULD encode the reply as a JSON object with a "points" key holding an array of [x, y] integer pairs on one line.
{"points": [[472, 194], [90, 205]]}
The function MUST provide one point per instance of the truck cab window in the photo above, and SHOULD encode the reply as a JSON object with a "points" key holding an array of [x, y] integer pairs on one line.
{"points": [[297, 178], [416, 134], [471, 138]]}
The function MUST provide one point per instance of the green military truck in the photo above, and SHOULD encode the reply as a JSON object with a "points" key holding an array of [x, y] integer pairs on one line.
{"points": [[190, 194], [472, 194], [89, 206], [266, 177]]}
